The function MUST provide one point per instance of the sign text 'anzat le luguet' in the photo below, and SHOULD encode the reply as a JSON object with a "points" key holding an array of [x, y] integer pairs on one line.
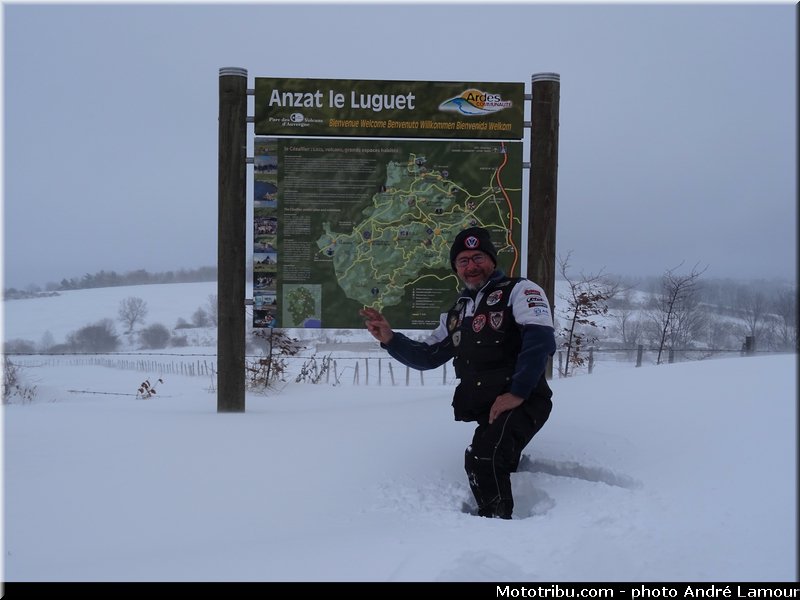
{"points": [[374, 108]]}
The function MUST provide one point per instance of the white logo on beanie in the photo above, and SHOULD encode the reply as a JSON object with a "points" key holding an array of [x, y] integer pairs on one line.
{"points": [[472, 242]]}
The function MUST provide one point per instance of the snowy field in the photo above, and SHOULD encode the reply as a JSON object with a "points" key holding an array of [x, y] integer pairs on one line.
{"points": [[683, 472]]}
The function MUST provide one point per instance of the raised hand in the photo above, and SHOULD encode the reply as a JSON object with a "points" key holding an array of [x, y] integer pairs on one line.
{"points": [[377, 325]]}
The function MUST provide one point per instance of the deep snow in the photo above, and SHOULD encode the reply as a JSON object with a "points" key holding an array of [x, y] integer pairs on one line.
{"points": [[682, 472]]}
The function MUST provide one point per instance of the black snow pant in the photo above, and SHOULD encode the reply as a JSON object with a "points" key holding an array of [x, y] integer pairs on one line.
{"points": [[495, 453]]}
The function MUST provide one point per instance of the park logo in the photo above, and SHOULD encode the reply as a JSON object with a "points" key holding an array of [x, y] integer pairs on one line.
{"points": [[296, 119], [475, 103]]}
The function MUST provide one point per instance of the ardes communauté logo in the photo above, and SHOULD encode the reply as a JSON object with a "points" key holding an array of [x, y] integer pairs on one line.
{"points": [[474, 103]]}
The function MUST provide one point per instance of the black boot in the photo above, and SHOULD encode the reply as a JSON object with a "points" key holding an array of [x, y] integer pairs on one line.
{"points": [[497, 509]]}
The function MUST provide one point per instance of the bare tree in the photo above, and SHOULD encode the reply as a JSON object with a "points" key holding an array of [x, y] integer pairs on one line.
{"points": [[722, 334], [785, 306], [97, 337], [625, 312], [587, 298], [212, 309], [132, 310], [754, 310], [676, 307], [268, 370], [200, 317]]}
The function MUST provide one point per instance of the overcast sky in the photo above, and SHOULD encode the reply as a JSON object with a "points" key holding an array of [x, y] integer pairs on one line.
{"points": [[677, 122]]}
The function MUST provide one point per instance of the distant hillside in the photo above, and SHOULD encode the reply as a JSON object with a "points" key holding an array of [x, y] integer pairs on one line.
{"points": [[182, 312], [103, 279]]}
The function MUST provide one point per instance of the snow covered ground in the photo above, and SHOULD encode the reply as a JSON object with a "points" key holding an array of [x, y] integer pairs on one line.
{"points": [[683, 472]]}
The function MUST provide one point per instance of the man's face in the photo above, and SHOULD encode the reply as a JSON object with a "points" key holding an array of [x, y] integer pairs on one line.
{"points": [[474, 268]]}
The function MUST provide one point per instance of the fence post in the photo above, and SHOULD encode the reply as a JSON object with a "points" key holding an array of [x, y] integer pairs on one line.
{"points": [[591, 359], [444, 374], [408, 374], [366, 371], [391, 374], [639, 351], [355, 374], [560, 364], [671, 358], [749, 345], [380, 379]]}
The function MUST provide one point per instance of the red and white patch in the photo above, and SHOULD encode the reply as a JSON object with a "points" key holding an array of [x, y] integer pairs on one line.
{"points": [[494, 297], [496, 320], [532, 303], [478, 322]]}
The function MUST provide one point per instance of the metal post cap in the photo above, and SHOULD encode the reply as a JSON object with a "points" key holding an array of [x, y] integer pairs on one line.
{"points": [[235, 71]]}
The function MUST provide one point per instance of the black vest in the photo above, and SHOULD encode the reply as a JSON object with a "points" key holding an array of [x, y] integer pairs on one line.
{"points": [[486, 347], [491, 338]]}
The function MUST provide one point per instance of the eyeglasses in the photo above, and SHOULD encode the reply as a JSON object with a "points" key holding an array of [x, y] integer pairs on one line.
{"points": [[478, 259]]}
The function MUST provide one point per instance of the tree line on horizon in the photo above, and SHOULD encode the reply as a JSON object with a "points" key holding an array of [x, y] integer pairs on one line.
{"points": [[103, 279]]}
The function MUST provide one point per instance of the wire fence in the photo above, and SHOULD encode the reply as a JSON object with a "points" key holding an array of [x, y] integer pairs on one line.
{"points": [[344, 368]]}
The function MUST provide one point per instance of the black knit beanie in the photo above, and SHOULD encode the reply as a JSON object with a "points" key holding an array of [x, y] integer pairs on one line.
{"points": [[473, 238]]}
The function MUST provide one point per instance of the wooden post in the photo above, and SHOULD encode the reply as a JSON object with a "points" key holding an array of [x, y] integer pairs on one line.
{"points": [[545, 97], [639, 351], [591, 359], [749, 345], [560, 363], [391, 373], [231, 255], [671, 358]]}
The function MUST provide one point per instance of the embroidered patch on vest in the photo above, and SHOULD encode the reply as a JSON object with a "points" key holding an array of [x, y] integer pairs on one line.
{"points": [[462, 310], [452, 322], [495, 320], [494, 297], [456, 338], [478, 322]]}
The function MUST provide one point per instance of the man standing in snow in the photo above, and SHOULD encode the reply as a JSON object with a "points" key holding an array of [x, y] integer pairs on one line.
{"points": [[500, 334]]}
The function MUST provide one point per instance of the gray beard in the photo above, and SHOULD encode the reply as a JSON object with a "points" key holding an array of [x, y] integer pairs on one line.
{"points": [[474, 287]]}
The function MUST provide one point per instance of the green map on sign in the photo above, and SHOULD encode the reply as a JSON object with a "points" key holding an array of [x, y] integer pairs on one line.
{"points": [[407, 229], [371, 222]]}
